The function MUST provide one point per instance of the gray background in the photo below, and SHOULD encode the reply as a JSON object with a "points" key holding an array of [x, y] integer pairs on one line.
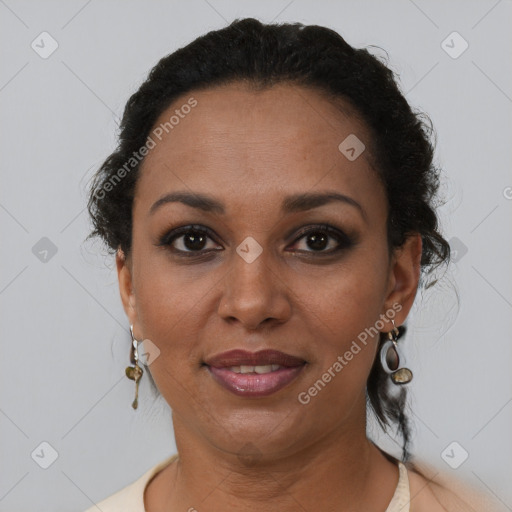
{"points": [[65, 337]]}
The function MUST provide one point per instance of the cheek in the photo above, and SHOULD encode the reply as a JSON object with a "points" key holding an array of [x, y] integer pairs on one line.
{"points": [[346, 307], [350, 297], [344, 351], [172, 308]]}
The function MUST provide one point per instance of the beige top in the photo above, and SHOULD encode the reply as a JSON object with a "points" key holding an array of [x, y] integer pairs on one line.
{"points": [[131, 498]]}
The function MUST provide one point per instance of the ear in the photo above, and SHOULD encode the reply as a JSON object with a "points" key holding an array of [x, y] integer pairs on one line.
{"points": [[124, 275], [404, 277]]}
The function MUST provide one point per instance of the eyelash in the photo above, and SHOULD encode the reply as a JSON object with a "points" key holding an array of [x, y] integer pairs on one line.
{"points": [[344, 241]]}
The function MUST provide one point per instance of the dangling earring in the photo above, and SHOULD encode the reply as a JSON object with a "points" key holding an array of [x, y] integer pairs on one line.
{"points": [[134, 372], [390, 359]]}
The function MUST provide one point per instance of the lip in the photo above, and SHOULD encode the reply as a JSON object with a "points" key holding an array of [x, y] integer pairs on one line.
{"points": [[253, 384], [262, 357]]}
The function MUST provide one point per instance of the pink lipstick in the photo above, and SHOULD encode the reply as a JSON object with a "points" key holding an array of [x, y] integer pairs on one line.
{"points": [[254, 374]]}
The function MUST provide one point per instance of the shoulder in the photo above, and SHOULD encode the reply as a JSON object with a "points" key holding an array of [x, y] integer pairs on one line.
{"points": [[425, 494], [131, 497], [432, 491], [125, 500]]}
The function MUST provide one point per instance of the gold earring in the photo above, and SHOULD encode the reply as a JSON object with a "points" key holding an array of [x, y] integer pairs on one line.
{"points": [[134, 372], [390, 359]]}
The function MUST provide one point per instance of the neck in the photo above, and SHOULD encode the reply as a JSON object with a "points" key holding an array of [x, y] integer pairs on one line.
{"points": [[343, 471]]}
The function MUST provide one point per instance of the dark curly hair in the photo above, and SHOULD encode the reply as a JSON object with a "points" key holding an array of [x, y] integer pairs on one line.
{"points": [[262, 55]]}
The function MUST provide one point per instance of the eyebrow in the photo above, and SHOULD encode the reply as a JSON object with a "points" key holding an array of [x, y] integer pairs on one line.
{"points": [[308, 201], [291, 204]]}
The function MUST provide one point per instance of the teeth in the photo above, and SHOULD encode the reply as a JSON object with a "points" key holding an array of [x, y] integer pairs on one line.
{"points": [[255, 369], [263, 369]]}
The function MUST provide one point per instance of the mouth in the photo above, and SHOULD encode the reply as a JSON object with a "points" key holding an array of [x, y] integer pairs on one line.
{"points": [[254, 374]]}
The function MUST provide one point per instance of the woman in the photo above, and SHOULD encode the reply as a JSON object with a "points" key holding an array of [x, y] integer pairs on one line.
{"points": [[270, 206]]}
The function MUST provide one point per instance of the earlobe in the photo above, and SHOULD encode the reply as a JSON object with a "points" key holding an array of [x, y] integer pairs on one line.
{"points": [[404, 276], [125, 285]]}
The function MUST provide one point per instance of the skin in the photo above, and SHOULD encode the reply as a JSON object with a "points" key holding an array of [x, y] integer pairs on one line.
{"points": [[250, 149]]}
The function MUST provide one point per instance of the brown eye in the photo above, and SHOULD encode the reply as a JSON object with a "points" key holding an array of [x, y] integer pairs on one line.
{"points": [[317, 241], [323, 239], [189, 239], [193, 241]]}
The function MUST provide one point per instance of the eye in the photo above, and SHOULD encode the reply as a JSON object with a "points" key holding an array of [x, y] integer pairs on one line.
{"points": [[322, 237], [193, 240], [189, 239]]}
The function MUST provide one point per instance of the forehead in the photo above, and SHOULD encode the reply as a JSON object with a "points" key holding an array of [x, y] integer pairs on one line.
{"points": [[237, 139]]}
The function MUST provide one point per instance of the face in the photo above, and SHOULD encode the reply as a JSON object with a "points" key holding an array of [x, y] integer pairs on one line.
{"points": [[269, 267]]}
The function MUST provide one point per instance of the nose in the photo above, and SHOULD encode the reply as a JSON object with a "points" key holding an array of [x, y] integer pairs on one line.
{"points": [[254, 295]]}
